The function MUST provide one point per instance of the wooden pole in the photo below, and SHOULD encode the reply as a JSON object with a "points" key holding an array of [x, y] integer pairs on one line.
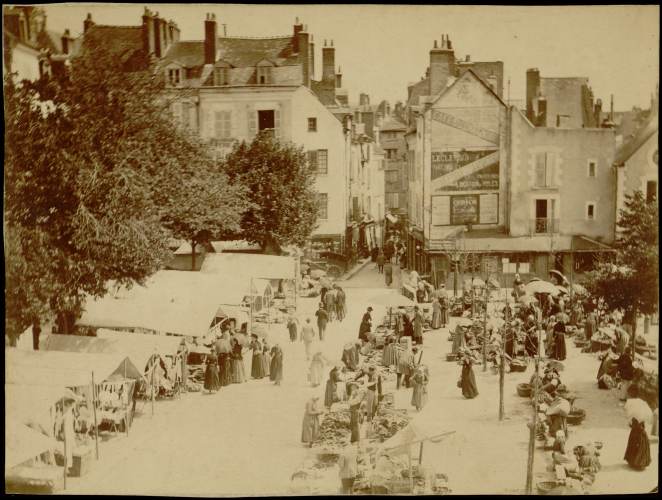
{"points": [[485, 326], [94, 410], [420, 454], [502, 367], [152, 383], [64, 434], [126, 408], [411, 471], [532, 434]]}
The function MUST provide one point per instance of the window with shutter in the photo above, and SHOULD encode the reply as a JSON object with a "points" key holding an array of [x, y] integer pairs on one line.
{"points": [[227, 125], [277, 122], [186, 115], [550, 160], [252, 123], [312, 160], [540, 173], [323, 205]]}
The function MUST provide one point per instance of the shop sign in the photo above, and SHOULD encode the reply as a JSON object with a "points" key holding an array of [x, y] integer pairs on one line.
{"points": [[464, 209], [445, 162]]}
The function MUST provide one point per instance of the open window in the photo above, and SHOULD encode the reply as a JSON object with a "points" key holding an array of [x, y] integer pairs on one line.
{"points": [[221, 74], [264, 72]]}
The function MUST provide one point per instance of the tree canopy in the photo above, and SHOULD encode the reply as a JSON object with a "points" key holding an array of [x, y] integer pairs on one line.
{"points": [[97, 178], [280, 187], [629, 280]]}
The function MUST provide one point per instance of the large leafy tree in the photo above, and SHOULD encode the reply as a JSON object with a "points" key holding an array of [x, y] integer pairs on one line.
{"points": [[280, 187], [96, 177], [629, 280]]}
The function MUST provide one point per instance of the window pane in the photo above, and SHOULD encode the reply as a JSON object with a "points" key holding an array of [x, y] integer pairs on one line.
{"points": [[322, 161], [322, 203], [591, 210], [312, 159], [312, 124]]}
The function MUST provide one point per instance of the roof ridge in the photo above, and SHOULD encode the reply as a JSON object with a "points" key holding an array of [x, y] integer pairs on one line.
{"points": [[257, 37], [114, 26]]}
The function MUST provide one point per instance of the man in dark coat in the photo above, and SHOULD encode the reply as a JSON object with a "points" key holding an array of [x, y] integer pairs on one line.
{"points": [[366, 325], [322, 320]]}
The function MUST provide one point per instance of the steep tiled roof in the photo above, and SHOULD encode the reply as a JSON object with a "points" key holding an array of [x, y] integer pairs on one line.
{"points": [[419, 89], [393, 124], [50, 40], [122, 41], [239, 52], [640, 138]]}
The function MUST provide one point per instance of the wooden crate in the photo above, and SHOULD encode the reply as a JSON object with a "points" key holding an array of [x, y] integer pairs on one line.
{"points": [[82, 457]]}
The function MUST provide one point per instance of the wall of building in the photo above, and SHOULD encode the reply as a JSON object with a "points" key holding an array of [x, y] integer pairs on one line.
{"points": [[640, 168], [569, 185], [292, 108], [463, 146], [24, 62]]}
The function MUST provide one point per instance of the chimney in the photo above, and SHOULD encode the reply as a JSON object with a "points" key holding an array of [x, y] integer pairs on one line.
{"points": [[597, 112], [364, 99], [442, 66], [304, 55], [339, 78], [165, 42], [88, 23], [312, 58], [175, 32], [611, 109], [157, 35], [295, 39], [328, 62], [211, 35], [467, 58], [541, 120], [65, 41], [532, 90], [148, 32]]}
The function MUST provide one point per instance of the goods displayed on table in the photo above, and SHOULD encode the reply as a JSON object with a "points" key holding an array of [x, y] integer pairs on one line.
{"points": [[335, 431]]}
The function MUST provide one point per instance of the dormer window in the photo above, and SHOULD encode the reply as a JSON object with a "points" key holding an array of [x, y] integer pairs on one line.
{"points": [[174, 77], [221, 76], [264, 72]]}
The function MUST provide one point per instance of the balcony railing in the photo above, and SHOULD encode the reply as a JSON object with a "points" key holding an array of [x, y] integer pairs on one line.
{"points": [[544, 226]]}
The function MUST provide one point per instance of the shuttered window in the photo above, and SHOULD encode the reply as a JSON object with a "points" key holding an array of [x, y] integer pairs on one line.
{"points": [[223, 124], [544, 170], [252, 123], [323, 205], [318, 161]]}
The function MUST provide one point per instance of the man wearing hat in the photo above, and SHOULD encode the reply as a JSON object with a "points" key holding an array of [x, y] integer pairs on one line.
{"points": [[418, 326], [366, 325]]}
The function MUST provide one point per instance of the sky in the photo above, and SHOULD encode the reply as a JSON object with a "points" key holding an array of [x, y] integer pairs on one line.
{"points": [[383, 48]]}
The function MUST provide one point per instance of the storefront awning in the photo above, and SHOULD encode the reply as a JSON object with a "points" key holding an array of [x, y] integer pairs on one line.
{"points": [[529, 244], [584, 244], [391, 218]]}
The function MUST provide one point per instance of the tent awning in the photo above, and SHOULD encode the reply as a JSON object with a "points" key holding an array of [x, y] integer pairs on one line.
{"points": [[391, 218], [23, 443], [244, 266]]}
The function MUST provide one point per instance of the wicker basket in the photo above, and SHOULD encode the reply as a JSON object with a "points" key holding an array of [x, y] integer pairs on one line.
{"points": [[524, 390], [549, 487], [451, 356], [518, 366], [576, 416]]}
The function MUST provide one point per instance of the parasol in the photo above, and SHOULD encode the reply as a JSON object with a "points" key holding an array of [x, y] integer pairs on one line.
{"points": [[493, 283], [562, 289], [317, 274], [556, 365], [579, 289], [558, 274], [325, 282], [534, 279], [559, 407], [638, 409], [541, 287], [69, 395], [391, 299]]}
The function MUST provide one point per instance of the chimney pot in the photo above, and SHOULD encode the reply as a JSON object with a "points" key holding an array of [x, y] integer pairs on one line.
{"points": [[331, 43], [67, 32], [297, 21], [435, 44], [325, 42], [449, 43]]}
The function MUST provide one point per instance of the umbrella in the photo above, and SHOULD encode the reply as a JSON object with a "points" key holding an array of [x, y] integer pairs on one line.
{"points": [[493, 283], [324, 282], [579, 289], [317, 273], [391, 300], [557, 365], [541, 287], [464, 322], [562, 289], [69, 395], [559, 407], [639, 409], [534, 279], [556, 273]]}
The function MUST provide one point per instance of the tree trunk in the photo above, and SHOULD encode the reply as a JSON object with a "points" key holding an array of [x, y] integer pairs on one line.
{"points": [[192, 255]]}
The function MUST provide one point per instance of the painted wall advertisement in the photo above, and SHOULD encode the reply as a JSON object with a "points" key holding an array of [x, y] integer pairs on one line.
{"points": [[464, 209], [465, 170], [459, 210]]}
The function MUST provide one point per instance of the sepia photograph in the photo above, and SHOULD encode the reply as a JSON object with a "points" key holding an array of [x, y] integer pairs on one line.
{"points": [[307, 249]]}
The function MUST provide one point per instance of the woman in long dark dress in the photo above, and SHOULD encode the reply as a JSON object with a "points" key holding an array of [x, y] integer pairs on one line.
{"points": [[257, 365], [237, 373], [408, 326], [419, 395], [266, 358], [366, 325], [224, 360], [331, 391], [311, 422], [468, 379], [212, 383], [638, 450], [559, 340], [276, 368], [443, 302]]}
